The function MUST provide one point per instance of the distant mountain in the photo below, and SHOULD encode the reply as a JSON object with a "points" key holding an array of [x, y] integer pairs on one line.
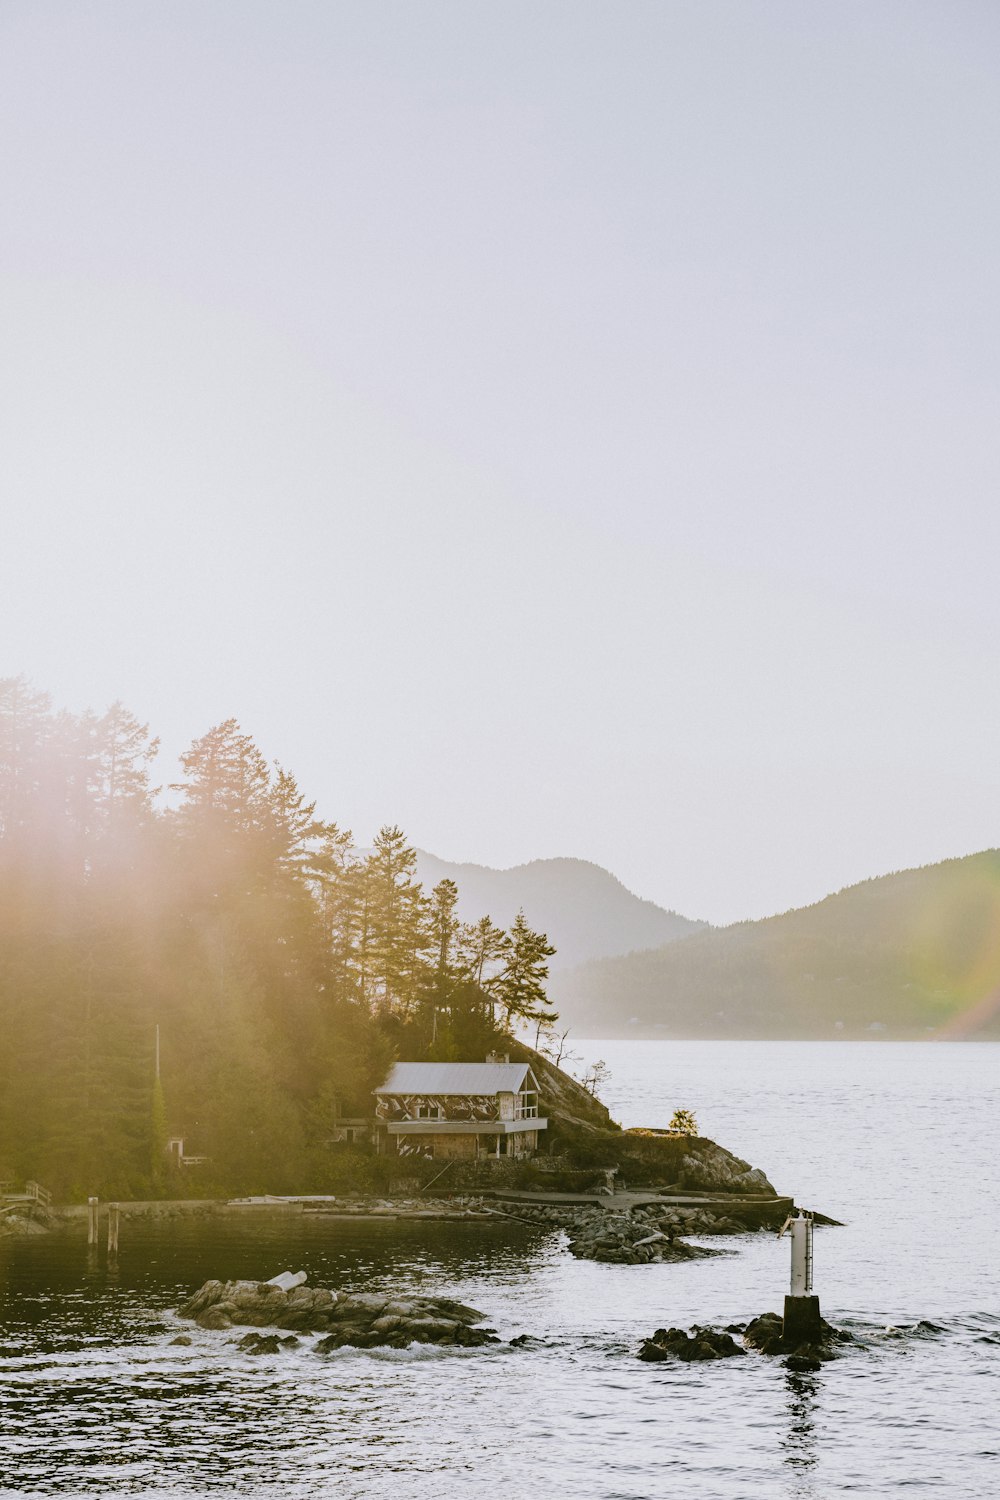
{"points": [[910, 955], [586, 912]]}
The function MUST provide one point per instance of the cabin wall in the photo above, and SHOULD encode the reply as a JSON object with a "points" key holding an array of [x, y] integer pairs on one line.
{"points": [[441, 1147], [393, 1107]]}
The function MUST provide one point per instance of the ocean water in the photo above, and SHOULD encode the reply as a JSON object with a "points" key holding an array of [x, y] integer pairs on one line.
{"points": [[898, 1140]]}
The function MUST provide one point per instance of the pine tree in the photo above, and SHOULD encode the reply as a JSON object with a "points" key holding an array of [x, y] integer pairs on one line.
{"points": [[227, 780], [395, 934], [124, 753], [484, 949], [520, 988], [444, 928], [337, 881], [299, 836], [25, 733]]}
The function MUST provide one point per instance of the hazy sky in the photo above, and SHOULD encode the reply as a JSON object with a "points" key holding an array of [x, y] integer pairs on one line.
{"points": [[559, 428]]}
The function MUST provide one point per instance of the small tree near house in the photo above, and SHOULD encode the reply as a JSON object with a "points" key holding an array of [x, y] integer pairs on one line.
{"points": [[596, 1076]]}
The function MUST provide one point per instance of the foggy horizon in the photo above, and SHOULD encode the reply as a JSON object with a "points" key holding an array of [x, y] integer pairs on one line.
{"points": [[563, 432]]}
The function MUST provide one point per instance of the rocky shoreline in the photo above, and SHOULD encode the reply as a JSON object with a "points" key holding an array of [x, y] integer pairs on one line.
{"points": [[608, 1230], [601, 1230], [650, 1233]]}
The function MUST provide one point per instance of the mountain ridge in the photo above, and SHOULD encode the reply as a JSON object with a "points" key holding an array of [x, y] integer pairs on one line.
{"points": [[912, 954], [586, 911]]}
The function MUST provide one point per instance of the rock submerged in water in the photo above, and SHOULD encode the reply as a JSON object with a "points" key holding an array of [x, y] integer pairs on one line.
{"points": [[700, 1344], [765, 1334], [357, 1320]]}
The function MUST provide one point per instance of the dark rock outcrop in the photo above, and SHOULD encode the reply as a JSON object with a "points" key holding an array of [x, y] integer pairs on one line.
{"points": [[766, 1334], [359, 1319], [700, 1344], [692, 1162]]}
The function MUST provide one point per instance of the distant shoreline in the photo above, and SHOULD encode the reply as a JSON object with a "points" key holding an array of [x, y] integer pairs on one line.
{"points": [[878, 1040]]}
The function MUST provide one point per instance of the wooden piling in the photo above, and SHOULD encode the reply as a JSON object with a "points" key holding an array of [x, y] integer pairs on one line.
{"points": [[92, 1220], [112, 1228]]}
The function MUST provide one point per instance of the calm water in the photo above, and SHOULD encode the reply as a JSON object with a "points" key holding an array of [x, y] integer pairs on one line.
{"points": [[899, 1140]]}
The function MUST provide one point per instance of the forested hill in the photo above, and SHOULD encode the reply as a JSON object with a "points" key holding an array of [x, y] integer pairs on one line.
{"points": [[283, 969], [586, 912], [910, 955]]}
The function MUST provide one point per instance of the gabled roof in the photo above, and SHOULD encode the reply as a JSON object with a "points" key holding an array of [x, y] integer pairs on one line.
{"points": [[455, 1078]]}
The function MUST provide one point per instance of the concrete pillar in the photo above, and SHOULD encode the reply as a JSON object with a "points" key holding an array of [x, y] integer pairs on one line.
{"points": [[802, 1323]]}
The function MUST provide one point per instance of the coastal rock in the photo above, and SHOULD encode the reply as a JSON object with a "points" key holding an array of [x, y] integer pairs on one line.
{"points": [[627, 1239], [362, 1320], [700, 1344], [653, 1228], [707, 1167], [766, 1334], [216, 1317], [763, 1334], [260, 1343], [210, 1293]]}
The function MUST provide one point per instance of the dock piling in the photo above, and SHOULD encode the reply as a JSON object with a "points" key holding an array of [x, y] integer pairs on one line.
{"points": [[113, 1215], [92, 1220]]}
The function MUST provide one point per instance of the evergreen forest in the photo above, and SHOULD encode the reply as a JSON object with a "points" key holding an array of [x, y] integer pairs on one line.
{"points": [[211, 959]]}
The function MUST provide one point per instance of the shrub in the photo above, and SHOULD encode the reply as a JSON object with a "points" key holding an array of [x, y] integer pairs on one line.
{"points": [[683, 1122]]}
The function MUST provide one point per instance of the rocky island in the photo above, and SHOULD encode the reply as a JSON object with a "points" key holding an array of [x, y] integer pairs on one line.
{"points": [[357, 1320]]}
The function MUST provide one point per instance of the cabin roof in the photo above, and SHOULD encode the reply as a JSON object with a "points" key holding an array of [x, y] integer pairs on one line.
{"points": [[455, 1078]]}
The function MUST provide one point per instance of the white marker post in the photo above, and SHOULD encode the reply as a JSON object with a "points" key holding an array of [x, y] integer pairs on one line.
{"points": [[803, 1323]]}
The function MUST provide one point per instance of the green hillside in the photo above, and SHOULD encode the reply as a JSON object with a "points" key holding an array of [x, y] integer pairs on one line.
{"points": [[914, 954]]}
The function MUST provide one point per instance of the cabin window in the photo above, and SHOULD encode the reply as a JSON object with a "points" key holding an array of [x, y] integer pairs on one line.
{"points": [[430, 1112]]}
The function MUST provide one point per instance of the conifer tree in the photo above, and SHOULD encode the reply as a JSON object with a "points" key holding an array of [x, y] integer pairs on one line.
{"points": [[395, 933], [444, 929], [337, 880], [520, 988], [484, 948], [25, 732], [124, 753], [226, 780]]}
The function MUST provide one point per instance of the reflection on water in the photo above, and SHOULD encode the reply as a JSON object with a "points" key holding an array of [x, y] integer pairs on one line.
{"points": [[95, 1399], [798, 1439]]}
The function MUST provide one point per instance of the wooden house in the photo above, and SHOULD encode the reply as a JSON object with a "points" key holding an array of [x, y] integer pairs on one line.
{"points": [[466, 1110]]}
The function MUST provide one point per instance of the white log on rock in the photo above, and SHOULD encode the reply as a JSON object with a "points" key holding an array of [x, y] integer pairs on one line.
{"points": [[288, 1280]]}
